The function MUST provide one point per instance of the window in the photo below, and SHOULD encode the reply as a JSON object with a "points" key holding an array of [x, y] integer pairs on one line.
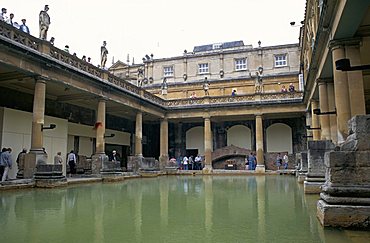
{"points": [[203, 68], [280, 60], [168, 71], [240, 64]]}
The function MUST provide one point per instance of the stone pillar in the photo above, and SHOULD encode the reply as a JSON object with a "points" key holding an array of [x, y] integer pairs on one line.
{"points": [[36, 155], [316, 169], [315, 121], [163, 157], [302, 162], [100, 128], [355, 81], [342, 102], [38, 117], [207, 145], [345, 197], [260, 168], [324, 107], [139, 134], [332, 117], [309, 124]]}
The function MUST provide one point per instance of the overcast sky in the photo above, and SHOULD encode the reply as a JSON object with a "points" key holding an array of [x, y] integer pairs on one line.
{"points": [[162, 27]]}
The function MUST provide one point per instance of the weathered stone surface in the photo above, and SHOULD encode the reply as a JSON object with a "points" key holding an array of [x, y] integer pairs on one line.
{"points": [[301, 160], [316, 153], [347, 216], [349, 200], [311, 187], [97, 161], [359, 134]]}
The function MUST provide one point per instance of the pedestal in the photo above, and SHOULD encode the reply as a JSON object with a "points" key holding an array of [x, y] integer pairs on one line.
{"points": [[49, 176], [260, 169], [301, 159], [207, 169], [30, 161]]}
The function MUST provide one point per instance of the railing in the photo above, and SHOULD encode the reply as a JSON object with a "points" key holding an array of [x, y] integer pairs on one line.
{"points": [[290, 97], [36, 44]]}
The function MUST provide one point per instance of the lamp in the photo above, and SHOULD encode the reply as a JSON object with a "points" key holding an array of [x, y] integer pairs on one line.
{"points": [[319, 113], [345, 65], [110, 136], [51, 126]]}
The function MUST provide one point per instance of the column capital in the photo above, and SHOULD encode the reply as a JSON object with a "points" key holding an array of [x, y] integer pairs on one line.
{"points": [[341, 43], [41, 79]]}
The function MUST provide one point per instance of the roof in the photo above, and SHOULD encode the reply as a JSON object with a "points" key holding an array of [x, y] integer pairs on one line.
{"points": [[223, 45]]}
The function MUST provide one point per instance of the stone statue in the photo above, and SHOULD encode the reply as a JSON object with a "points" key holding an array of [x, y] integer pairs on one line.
{"points": [[258, 86], [140, 76], [164, 86], [103, 54], [44, 22]]}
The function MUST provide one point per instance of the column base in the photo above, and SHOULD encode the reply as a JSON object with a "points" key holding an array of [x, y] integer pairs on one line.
{"points": [[207, 169], [49, 176], [163, 162], [260, 169], [313, 186], [301, 177], [346, 216]]}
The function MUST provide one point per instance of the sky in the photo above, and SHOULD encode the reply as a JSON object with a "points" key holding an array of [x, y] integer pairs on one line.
{"points": [[164, 28]]}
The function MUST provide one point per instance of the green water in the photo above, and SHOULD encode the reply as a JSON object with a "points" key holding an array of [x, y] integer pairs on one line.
{"points": [[169, 209]]}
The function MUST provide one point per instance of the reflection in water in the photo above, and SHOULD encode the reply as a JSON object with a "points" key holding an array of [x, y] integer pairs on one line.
{"points": [[169, 209]]}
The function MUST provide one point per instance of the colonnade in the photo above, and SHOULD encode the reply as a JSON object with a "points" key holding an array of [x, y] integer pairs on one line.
{"points": [[340, 98]]}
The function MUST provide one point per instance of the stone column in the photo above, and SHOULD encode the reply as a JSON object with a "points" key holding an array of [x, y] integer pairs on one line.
{"points": [[163, 157], [315, 120], [139, 134], [332, 117], [260, 168], [324, 107], [345, 196], [342, 101], [36, 156], [38, 116], [207, 145], [100, 128], [355, 81]]}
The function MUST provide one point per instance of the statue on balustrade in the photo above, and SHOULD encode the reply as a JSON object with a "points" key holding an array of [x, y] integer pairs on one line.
{"points": [[103, 54], [44, 22], [258, 86]]}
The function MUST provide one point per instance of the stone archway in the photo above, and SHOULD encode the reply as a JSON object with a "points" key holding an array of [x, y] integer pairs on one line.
{"points": [[240, 136]]}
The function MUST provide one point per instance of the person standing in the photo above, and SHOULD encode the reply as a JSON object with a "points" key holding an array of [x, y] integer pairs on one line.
{"points": [[72, 162], [191, 162], [58, 160], [3, 16], [185, 162], [278, 161], [286, 161], [252, 161], [10, 19], [44, 22], [103, 54], [6, 161], [23, 27]]}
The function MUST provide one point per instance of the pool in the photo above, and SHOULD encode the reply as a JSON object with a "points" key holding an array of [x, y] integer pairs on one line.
{"points": [[169, 209]]}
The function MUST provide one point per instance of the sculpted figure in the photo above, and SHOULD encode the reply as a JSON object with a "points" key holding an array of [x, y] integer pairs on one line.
{"points": [[103, 54], [44, 22], [258, 87]]}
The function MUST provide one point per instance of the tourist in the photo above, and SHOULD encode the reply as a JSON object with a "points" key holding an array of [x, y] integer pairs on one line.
{"points": [[193, 95], [283, 89], [52, 39], [20, 155], [278, 161], [89, 59], [1, 166], [10, 19], [185, 162], [44, 22], [198, 162], [191, 162], [23, 27], [83, 58], [291, 87], [58, 160], [115, 156], [252, 161], [66, 48], [71, 158], [3, 16], [6, 162], [103, 54], [233, 93], [286, 161]]}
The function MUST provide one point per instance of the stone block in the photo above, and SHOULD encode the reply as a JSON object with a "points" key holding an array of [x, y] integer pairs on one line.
{"points": [[97, 163], [311, 187], [359, 134]]}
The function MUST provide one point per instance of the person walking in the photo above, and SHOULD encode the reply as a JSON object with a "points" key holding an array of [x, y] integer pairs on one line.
{"points": [[286, 161], [6, 162], [72, 163]]}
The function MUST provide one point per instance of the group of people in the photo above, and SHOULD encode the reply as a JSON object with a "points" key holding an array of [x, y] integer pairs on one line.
{"points": [[250, 161], [290, 89], [10, 20], [282, 161], [190, 163]]}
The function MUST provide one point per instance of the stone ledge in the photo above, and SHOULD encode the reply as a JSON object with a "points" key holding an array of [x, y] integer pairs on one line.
{"points": [[345, 200], [346, 216], [312, 187]]}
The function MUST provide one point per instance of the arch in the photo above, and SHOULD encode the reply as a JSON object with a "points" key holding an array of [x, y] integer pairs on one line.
{"points": [[195, 139], [240, 136], [279, 138]]}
